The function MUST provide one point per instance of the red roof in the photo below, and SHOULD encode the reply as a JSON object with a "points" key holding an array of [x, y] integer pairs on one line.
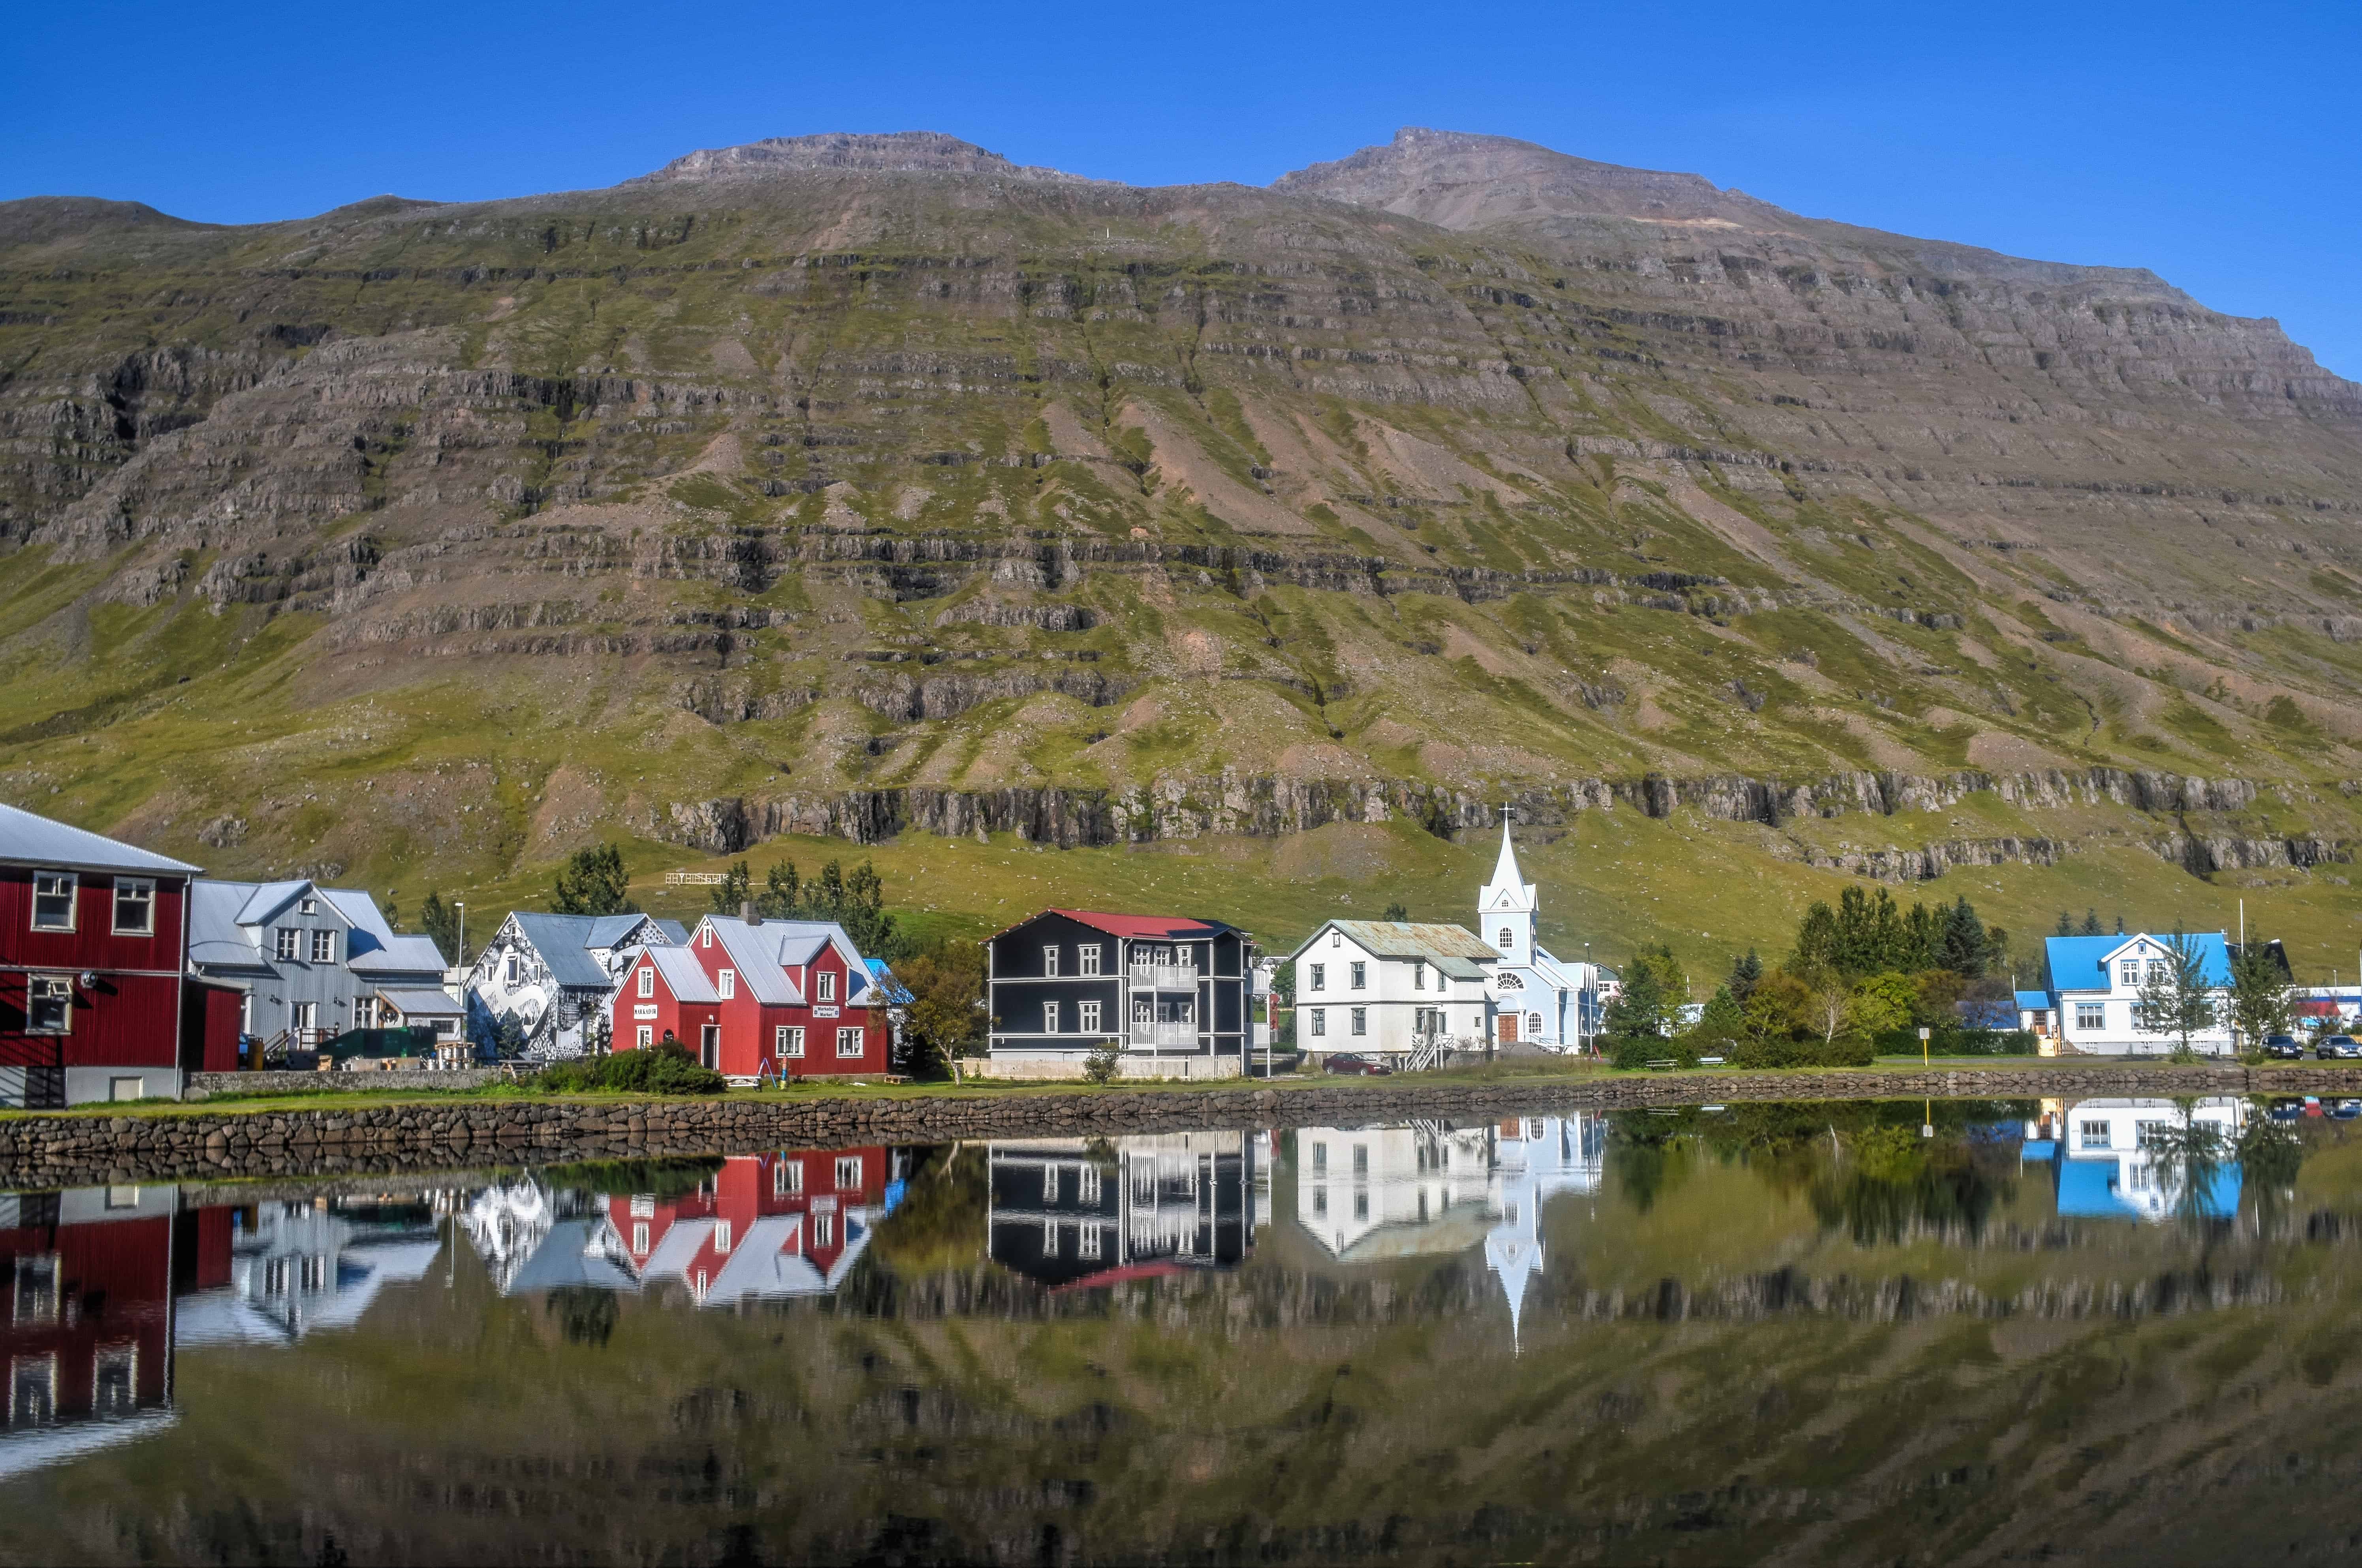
{"points": [[1167, 926], [1124, 1274]]}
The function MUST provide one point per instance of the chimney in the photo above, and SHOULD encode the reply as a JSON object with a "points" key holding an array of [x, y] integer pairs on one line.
{"points": [[749, 913]]}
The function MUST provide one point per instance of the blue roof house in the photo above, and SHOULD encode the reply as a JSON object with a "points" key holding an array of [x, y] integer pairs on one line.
{"points": [[2092, 1003], [556, 976]]}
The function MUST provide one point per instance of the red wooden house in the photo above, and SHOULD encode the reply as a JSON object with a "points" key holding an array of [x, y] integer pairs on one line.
{"points": [[666, 993], [94, 1003], [796, 996], [765, 1226]]}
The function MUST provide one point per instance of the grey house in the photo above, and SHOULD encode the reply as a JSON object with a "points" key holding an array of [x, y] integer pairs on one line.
{"points": [[555, 976], [314, 961]]}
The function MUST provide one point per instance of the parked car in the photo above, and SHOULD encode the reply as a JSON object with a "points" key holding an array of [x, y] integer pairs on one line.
{"points": [[2283, 1046], [2345, 1109], [2336, 1046], [1346, 1062], [2285, 1110]]}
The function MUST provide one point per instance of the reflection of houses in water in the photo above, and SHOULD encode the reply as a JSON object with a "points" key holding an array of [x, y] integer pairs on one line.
{"points": [[763, 1227], [1367, 1194], [86, 1281], [297, 1266], [2104, 1161], [1063, 1212]]}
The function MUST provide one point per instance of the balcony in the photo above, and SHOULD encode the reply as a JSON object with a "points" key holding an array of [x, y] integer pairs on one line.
{"points": [[1165, 977], [1163, 1034]]}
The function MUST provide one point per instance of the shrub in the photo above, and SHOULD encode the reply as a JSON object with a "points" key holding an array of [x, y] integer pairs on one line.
{"points": [[1639, 1050], [1845, 1051], [666, 1068], [1100, 1067]]}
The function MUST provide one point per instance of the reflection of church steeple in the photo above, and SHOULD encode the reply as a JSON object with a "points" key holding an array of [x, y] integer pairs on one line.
{"points": [[1506, 905]]}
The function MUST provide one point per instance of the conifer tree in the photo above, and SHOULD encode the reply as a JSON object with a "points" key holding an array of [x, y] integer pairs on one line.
{"points": [[1744, 976]]}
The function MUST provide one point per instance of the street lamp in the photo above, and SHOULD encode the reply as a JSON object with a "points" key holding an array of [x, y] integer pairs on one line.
{"points": [[459, 959]]}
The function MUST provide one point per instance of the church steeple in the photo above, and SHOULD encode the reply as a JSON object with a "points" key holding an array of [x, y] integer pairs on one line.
{"points": [[1507, 905]]}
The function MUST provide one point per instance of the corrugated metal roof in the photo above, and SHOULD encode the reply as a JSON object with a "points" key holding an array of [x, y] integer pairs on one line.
{"points": [[1409, 939], [415, 1002], [1169, 928], [755, 951], [565, 942], [403, 955], [264, 899], [2034, 1002], [683, 976], [2080, 963], [776, 946], [32, 840]]}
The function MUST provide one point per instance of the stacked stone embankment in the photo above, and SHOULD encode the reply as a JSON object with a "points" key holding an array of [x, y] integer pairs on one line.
{"points": [[65, 1150]]}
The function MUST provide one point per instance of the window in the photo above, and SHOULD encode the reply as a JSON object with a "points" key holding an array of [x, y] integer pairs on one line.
{"points": [[1360, 1162], [1049, 1183], [823, 1230], [824, 984], [1360, 1020], [1533, 1026], [786, 1179], [511, 967], [310, 905], [120, 1196], [1090, 1019], [1508, 942], [48, 1004], [1336, 939], [1361, 976], [2091, 1135], [1050, 962], [303, 1015], [314, 1274], [848, 1173], [788, 1040], [274, 1276], [37, 1289], [53, 900], [2091, 1015], [2130, 970], [2146, 1134], [284, 940], [365, 1012], [1088, 1240], [1320, 978], [1418, 975], [1089, 1185], [1509, 982], [648, 1035], [640, 1238], [1089, 956], [33, 1390], [114, 1380], [848, 1042], [323, 947], [647, 979], [2157, 971], [1320, 1202], [135, 907], [1320, 1022], [727, 984], [722, 1236], [1360, 1206], [1049, 1017]]}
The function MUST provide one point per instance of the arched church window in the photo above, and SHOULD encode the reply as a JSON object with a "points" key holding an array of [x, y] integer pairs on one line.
{"points": [[1533, 1026], [1509, 939], [1512, 983]]}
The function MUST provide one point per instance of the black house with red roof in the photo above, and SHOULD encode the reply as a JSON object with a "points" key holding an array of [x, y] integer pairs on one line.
{"points": [[1169, 992]]}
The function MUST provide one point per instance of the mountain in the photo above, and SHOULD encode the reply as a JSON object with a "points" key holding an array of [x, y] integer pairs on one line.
{"points": [[845, 484]]}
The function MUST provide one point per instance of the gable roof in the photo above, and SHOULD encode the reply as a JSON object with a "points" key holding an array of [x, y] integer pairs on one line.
{"points": [[264, 899], [564, 942], [225, 918], [1165, 928], [400, 955], [1411, 939], [684, 977], [765, 952], [27, 838], [2080, 963]]}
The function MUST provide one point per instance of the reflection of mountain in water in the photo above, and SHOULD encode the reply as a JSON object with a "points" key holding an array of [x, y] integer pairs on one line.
{"points": [[1366, 1195], [1067, 1212]]}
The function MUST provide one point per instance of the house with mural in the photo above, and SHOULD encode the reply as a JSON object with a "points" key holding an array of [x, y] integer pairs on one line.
{"points": [[1167, 992], [2092, 1003], [96, 1001], [313, 961], [550, 979]]}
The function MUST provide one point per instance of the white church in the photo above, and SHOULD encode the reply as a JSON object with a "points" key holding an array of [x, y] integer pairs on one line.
{"points": [[1537, 999]]}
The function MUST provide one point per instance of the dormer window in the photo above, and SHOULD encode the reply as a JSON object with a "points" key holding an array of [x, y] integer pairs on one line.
{"points": [[824, 986], [2130, 969], [310, 905]]}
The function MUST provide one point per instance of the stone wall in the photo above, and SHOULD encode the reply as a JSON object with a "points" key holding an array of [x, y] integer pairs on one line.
{"points": [[205, 1086], [50, 1150]]}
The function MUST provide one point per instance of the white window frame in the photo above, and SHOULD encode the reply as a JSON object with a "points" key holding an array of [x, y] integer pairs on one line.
{"points": [[722, 1235], [1050, 1018], [54, 990], [640, 1238], [1361, 1022], [851, 1039], [310, 905], [2091, 1015], [324, 946], [284, 943], [2128, 972], [823, 1230], [141, 894], [824, 984], [787, 1178], [788, 1040], [2085, 1139], [1087, 958], [1508, 942], [1320, 1023], [849, 1172], [1418, 974], [726, 982], [1050, 962], [647, 1036], [1089, 1021], [63, 885], [705, 937], [647, 979], [1087, 1242]]}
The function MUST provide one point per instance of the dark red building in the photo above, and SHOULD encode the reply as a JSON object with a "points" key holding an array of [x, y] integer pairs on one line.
{"points": [[95, 1002], [756, 997]]}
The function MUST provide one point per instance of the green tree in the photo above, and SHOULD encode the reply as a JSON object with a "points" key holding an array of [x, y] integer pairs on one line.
{"points": [[2178, 1002], [1744, 976], [1817, 941], [1880, 1002], [2090, 923], [730, 895], [1397, 911], [2066, 924], [2262, 1001], [946, 1016], [440, 921], [1640, 1010], [593, 882], [1722, 1024], [1961, 943]]}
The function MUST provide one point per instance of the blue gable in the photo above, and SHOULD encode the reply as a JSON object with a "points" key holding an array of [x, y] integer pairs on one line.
{"points": [[2080, 963]]}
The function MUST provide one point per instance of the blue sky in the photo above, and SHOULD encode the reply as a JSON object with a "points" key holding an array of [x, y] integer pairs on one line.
{"points": [[2216, 145]]}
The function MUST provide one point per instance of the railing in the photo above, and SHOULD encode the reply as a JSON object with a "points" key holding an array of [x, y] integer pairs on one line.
{"points": [[1163, 1033], [1167, 977], [1429, 1051]]}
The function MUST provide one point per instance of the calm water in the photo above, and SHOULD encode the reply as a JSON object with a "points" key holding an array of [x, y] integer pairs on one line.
{"points": [[2059, 1331]]}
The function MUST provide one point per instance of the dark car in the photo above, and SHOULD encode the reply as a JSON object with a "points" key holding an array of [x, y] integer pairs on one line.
{"points": [[2283, 1046], [1346, 1062], [2285, 1110], [2337, 1045]]}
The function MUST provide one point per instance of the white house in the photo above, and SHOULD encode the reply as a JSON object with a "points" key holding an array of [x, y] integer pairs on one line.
{"points": [[556, 975], [1539, 1000], [1391, 987], [2094, 993], [2101, 1153]]}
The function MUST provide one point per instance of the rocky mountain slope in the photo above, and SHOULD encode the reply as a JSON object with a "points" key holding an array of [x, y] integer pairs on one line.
{"points": [[845, 484]]}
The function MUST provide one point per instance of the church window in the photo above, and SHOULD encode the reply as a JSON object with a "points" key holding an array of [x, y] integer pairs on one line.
{"points": [[1510, 982], [1533, 1026], [1508, 942]]}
